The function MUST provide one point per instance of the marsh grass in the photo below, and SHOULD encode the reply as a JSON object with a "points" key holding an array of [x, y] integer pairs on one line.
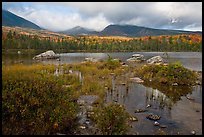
{"points": [[35, 101]]}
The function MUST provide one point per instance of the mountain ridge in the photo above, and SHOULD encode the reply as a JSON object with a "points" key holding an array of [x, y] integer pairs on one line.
{"points": [[126, 30], [12, 20]]}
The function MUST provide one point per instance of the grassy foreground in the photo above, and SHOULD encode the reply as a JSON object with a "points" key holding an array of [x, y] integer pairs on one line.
{"points": [[36, 101]]}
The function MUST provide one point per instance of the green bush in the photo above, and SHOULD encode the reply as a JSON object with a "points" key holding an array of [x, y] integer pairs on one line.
{"points": [[111, 63], [112, 119], [168, 74], [36, 103]]}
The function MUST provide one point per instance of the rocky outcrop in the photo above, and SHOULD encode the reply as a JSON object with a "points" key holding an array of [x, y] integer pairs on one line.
{"points": [[46, 55], [155, 59], [136, 58]]}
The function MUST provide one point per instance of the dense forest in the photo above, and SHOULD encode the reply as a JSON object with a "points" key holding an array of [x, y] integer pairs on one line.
{"points": [[183, 42]]}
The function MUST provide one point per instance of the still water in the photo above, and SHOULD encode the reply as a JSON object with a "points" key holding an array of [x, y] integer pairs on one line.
{"points": [[192, 60], [179, 114]]}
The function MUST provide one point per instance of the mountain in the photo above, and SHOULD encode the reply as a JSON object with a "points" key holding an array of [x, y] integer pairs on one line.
{"points": [[79, 31], [10, 19], [137, 31]]}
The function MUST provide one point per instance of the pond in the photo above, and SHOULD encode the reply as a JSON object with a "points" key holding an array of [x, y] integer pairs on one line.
{"points": [[192, 60], [179, 115], [180, 107]]}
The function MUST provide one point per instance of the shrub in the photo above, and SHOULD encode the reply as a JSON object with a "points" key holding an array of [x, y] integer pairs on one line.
{"points": [[111, 63], [112, 119], [172, 73], [35, 103]]}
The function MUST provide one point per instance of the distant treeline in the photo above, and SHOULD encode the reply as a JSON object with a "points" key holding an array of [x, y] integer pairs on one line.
{"points": [[183, 42]]}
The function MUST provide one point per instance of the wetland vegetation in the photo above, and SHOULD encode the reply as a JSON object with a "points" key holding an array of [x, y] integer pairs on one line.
{"points": [[42, 99]]}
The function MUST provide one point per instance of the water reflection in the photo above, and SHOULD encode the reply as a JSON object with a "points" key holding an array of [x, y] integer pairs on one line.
{"points": [[169, 102], [173, 93]]}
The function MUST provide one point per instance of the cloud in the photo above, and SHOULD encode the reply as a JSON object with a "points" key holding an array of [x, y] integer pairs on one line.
{"points": [[59, 16]]}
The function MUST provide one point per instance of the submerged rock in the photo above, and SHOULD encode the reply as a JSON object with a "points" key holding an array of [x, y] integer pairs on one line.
{"points": [[162, 126], [153, 117], [46, 55], [140, 110], [155, 59]]}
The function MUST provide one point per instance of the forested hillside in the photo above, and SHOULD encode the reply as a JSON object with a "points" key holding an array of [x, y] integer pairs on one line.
{"points": [[20, 39]]}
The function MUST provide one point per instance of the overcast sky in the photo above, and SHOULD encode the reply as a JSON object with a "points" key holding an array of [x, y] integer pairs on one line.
{"points": [[60, 16]]}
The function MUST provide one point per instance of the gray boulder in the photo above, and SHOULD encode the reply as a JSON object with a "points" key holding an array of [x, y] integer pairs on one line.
{"points": [[46, 55], [155, 59], [136, 58]]}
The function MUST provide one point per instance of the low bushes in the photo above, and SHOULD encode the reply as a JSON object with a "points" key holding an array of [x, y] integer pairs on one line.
{"points": [[167, 74], [35, 102], [112, 119]]}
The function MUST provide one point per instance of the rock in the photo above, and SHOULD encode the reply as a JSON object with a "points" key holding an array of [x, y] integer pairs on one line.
{"points": [[67, 86], [118, 60], [162, 126], [46, 55], [198, 82], [175, 84], [136, 58], [193, 132], [189, 98], [156, 123], [140, 110], [87, 99], [90, 60], [89, 108], [153, 117], [124, 65], [155, 59], [89, 114], [60, 134], [82, 127], [137, 80], [148, 106], [112, 73], [81, 102], [133, 119]]}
